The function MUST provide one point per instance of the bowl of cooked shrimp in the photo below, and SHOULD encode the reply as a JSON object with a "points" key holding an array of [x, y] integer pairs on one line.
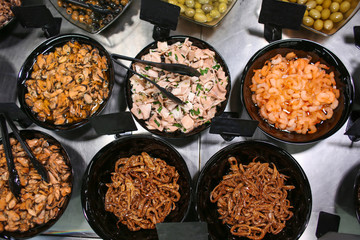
{"points": [[253, 190], [299, 91], [204, 97]]}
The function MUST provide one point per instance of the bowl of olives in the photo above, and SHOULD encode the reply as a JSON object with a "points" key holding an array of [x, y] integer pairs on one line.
{"points": [[207, 13], [326, 17]]}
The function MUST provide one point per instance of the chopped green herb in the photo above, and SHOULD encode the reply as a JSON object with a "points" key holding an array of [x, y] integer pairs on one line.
{"points": [[177, 108], [159, 109], [201, 118], [170, 53], [177, 125], [156, 102], [182, 55], [193, 112], [206, 89], [176, 58], [145, 75], [147, 68], [216, 67], [139, 111], [204, 71], [207, 121], [157, 123], [199, 87], [186, 101]]}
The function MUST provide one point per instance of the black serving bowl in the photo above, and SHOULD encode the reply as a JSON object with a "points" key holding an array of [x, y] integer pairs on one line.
{"points": [[220, 108], [214, 170], [302, 48], [99, 172], [31, 134], [357, 196], [89, 28], [47, 47]]}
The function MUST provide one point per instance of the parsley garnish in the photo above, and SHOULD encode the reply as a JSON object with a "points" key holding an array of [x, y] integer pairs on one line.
{"points": [[204, 71], [170, 53], [199, 87], [159, 109], [177, 125], [157, 123], [193, 112], [216, 67], [176, 58], [147, 68]]}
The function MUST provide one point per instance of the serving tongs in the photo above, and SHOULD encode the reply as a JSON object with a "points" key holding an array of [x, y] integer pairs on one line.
{"points": [[14, 181], [175, 68], [93, 7]]}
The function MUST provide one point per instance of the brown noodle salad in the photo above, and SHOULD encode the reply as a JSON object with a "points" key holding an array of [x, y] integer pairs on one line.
{"points": [[252, 199], [143, 191]]}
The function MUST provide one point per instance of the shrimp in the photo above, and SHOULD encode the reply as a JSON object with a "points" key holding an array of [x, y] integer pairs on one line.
{"points": [[294, 94]]}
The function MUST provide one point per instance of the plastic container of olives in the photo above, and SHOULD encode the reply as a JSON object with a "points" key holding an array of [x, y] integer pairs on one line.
{"points": [[208, 13], [326, 17], [86, 19]]}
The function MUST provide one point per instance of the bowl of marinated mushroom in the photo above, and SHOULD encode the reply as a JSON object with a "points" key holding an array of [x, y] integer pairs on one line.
{"points": [[299, 91], [89, 15], [253, 190], [132, 184], [65, 81], [203, 97], [40, 203]]}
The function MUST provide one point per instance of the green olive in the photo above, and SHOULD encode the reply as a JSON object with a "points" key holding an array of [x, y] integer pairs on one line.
{"points": [[315, 14], [199, 10], [319, 2], [334, 7], [306, 13], [214, 13], [336, 17], [200, 17], [203, 1], [308, 21], [209, 18], [190, 12], [338, 1], [207, 8], [325, 14], [174, 2], [301, 1], [318, 25], [293, 1], [190, 3], [326, 3], [311, 4], [328, 25], [222, 7], [181, 1], [319, 8], [182, 8], [344, 6]]}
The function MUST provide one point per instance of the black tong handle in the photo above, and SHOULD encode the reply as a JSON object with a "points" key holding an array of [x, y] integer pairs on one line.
{"points": [[171, 67], [14, 181], [163, 90], [37, 165], [92, 7]]}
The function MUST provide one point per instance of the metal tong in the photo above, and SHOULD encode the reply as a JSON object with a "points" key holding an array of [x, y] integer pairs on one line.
{"points": [[177, 68], [14, 181]]}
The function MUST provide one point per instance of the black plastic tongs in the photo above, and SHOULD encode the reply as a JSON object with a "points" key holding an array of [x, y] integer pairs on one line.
{"points": [[92, 7], [175, 68], [14, 181]]}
